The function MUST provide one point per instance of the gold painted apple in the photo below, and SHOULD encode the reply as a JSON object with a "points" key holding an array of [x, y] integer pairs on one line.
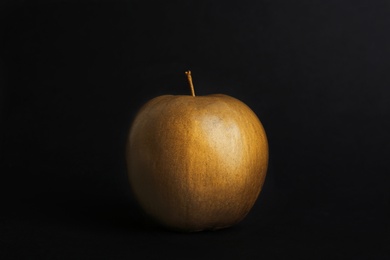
{"points": [[196, 162]]}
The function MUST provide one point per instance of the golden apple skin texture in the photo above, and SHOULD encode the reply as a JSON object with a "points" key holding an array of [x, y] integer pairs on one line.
{"points": [[196, 163]]}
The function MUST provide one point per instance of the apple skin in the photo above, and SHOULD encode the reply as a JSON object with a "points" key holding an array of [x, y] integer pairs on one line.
{"points": [[196, 162]]}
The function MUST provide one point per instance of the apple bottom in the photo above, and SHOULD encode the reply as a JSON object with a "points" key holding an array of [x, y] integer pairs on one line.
{"points": [[196, 207]]}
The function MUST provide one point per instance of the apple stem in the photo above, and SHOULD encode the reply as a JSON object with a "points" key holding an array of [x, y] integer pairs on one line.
{"points": [[189, 77]]}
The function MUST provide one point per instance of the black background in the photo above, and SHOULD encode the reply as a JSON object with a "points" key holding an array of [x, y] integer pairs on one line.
{"points": [[74, 73]]}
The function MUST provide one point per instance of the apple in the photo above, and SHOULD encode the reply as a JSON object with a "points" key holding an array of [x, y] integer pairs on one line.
{"points": [[196, 162]]}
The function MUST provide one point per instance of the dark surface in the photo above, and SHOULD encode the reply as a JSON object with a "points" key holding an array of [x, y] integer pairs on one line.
{"points": [[74, 73]]}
